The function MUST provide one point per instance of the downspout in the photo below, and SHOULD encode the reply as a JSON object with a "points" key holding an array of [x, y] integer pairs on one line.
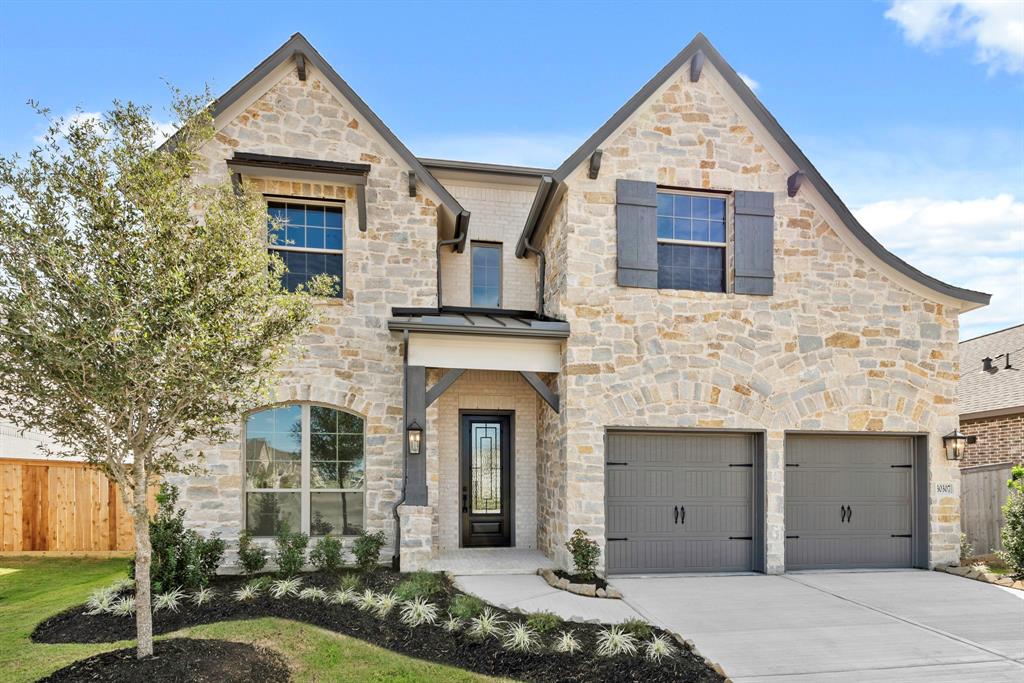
{"points": [[540, 276], [397, 557]]}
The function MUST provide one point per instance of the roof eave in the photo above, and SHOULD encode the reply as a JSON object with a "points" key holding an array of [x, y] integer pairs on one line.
{"points": [[700, 43], [298, 45]]}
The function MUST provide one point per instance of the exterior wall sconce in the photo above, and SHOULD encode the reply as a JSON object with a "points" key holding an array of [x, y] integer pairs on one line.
{"points": [[414, 433], [956, 444]]}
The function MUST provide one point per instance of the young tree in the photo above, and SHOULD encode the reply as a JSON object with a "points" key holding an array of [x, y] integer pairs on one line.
{"points": [[140, 311]]}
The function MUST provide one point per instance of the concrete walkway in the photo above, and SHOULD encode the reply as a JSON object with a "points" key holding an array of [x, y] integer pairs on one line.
{"points": [[532, 594], [842, 626]]}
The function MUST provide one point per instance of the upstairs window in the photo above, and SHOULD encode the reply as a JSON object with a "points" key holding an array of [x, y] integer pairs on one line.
{"points": [[309, 237], [486, 275], [691, 242]]}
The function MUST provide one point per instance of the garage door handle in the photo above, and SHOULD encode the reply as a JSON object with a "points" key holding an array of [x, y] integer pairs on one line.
{"points": [[682, 509], [677, 514], [849, 514], [842, 513]]}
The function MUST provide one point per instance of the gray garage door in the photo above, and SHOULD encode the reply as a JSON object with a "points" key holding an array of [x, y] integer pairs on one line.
{"points": [[848, 502], [678, 502]]}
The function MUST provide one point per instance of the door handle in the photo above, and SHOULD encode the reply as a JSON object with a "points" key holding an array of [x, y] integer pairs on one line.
{"points": [[849, 514], [682, 509], [677, 514], [842, 513], [465, 501]]}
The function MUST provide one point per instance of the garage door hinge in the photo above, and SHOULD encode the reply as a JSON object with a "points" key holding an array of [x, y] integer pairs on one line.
{"points": [[792, 537], [901, 535], [906, 466], [741, 464], [617, 463], [741, 538], [618, 539], [793, 465]]}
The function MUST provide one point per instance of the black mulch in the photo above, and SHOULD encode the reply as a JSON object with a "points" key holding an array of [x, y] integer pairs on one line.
{"points": [[429, 643], [577, 578], [178, 660]]}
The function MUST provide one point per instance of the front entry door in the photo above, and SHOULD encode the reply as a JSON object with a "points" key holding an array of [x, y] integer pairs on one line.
{"points": [[485, 486]]}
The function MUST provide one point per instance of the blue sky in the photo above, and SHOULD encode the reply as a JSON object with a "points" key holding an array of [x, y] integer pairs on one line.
{"points": [[914, 112]]}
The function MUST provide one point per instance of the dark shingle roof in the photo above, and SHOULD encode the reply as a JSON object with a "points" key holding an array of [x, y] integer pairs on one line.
{"points": [[997, 390]]}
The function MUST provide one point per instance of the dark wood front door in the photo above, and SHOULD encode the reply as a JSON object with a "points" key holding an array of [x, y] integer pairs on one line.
{"points": [[486, 486]]}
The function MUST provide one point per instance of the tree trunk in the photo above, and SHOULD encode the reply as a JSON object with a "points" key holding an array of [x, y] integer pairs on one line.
{"points": [[143, 559]]}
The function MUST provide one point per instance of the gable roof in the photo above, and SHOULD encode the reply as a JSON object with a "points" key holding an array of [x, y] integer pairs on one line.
{"points": [[551, 190], [998, 391], [298, 45]]}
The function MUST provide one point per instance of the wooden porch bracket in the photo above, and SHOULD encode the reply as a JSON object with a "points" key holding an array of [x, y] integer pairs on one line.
{"points": [[534, 380], [448, 379]]}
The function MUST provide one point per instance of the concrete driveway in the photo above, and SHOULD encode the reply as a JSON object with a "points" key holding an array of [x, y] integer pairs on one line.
{"points": [[842, 626]]}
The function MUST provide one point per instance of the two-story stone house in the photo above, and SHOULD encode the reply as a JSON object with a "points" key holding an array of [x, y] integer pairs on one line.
{"points": [[680, 341]]}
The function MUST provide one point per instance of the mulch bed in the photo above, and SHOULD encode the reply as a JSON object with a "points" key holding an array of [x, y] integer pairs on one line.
{"points": [[578, 578], [429, 643], [180, 660]]}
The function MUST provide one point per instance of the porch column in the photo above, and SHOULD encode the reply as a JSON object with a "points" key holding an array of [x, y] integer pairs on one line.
{"points": [[415, 411]]}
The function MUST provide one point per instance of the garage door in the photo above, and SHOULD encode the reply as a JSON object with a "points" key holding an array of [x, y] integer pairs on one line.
{"points": [[679, 502], [848, 502]]}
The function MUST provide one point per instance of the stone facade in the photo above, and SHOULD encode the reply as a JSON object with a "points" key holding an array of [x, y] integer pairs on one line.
{"points": [[499, 212], [349, 361], [1000, 440], [839, 346]]}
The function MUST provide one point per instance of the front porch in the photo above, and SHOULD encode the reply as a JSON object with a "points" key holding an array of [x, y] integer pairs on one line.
{"points": [[478, 390], [489, 561]]}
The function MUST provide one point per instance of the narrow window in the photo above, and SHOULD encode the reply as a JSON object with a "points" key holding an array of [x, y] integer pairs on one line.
{"points": [[486, 275], [309, 238], [691, 242], [304, 469]]}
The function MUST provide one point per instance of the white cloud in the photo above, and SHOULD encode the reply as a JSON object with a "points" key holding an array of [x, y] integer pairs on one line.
{"points": [[751, 83], [161, 129], [546, 150], [996, 27], [975, 243]]}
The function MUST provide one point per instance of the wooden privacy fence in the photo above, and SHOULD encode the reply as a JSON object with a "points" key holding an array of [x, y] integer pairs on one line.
{"points": [[983, 493], [61, 507]]}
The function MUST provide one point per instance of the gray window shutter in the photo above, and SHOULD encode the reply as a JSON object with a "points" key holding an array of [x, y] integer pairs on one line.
{"points": [[636, 207], [754, 228]]}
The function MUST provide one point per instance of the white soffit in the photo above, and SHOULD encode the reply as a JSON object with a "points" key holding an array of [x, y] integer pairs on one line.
{"points": [[484, 352]]}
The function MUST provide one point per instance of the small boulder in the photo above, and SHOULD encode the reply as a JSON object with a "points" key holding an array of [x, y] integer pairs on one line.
{"points": [[613, 593], [1004, 581], [959, 571], [600, 592], [589, 590], [564, 584], [1019, 585]]}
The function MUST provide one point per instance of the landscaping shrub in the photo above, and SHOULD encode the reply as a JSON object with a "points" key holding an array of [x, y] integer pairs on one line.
{"points": [[181, 557], [291, 552], [326, 554], [467, 606], [1013, 530], [966, 549], [542, 622], [585, 553], [638, 628], [419, 585], [253, 558], [367, 549], [349, 582]]}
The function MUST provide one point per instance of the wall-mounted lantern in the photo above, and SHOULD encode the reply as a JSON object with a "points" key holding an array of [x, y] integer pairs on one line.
{"points": [[956, 444], [414, 433]]}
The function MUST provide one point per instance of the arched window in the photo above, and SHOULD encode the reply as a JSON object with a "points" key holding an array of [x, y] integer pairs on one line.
{"points": [[304, 471]]}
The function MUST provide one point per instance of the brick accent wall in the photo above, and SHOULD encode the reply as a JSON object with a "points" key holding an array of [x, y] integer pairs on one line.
{"points": [[481, 390], [499, 212], [1000, 440]]}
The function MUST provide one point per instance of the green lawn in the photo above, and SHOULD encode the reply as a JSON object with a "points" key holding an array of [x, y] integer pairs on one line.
{"points": [[32, 589]]}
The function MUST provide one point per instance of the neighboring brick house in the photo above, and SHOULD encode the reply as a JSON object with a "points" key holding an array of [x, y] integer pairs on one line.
{"points": [[991, 397], [680, 341]]}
